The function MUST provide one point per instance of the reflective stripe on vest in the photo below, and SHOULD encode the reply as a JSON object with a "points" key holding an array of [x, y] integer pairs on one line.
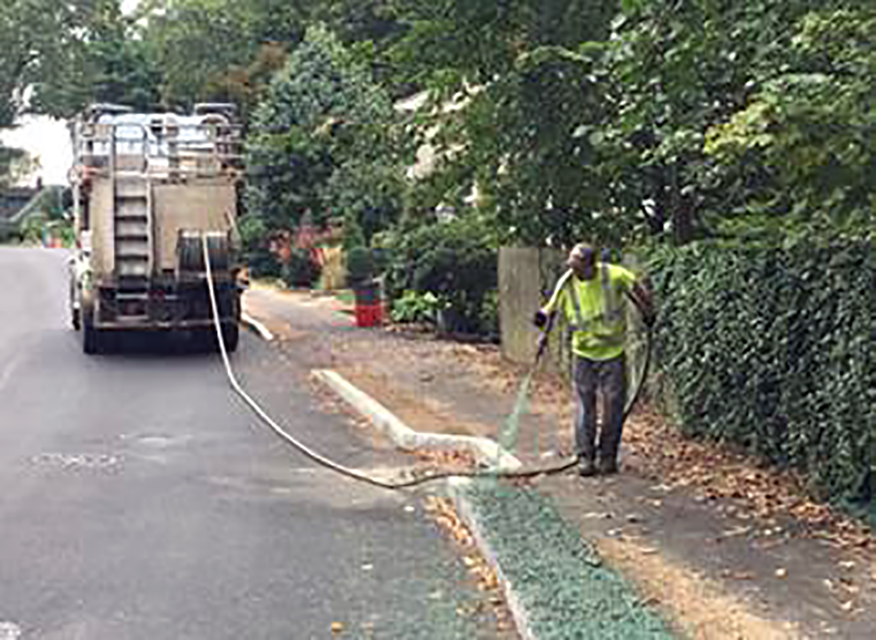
{"points": [[579, 324], [613, 311]]}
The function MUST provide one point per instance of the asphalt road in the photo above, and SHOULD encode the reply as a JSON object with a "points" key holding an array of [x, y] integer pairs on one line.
{"points": [[139, 499]]}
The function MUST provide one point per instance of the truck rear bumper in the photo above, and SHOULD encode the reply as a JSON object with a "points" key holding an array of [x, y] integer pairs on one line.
{"points": [[164, 309], [147, 325]]}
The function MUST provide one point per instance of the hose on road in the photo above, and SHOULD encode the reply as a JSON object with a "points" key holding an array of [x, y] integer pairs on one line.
{"points": [[360, 476]]}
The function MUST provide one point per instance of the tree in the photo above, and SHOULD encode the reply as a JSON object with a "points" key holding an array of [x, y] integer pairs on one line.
{"points": [[245, 84], [677, 73], [40, 50], [42, 44], [58, 55], [119, 65], [616, 120], [357, 21], [809, 130], [217, 50], [322, 143], [14, 164], [202, 45], [515, 99]]}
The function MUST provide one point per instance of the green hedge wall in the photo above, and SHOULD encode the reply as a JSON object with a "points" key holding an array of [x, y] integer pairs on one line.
{"points": [[769, 348]]}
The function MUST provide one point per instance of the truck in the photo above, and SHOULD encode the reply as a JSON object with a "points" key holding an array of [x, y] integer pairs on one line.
{"points": [[154, 195]]}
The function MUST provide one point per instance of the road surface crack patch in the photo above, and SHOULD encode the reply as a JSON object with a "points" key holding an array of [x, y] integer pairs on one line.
{"points": [[78, 461]]}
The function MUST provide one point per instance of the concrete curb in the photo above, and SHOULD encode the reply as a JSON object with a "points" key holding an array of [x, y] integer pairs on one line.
{"points": [[254, 325], [456, 487], [485, 451]]}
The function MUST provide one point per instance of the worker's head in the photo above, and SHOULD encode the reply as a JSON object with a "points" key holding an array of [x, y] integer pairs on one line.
{"points": [[582, 261]]}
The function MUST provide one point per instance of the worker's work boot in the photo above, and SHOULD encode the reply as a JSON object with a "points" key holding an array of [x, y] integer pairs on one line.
{"points": [[586, 468], [607, 466]]}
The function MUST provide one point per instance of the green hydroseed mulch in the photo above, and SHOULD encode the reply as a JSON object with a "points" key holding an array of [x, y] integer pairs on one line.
{"points": [[558, 579]]}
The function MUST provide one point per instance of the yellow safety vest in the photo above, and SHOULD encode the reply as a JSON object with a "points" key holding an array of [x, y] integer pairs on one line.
{"points": [[595, 310]]}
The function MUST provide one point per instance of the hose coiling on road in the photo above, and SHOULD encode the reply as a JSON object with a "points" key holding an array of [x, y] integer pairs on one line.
{"points": [[355, 474]]}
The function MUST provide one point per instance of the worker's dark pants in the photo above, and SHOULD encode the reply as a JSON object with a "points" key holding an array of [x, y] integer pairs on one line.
{"points": [[610, 376]]}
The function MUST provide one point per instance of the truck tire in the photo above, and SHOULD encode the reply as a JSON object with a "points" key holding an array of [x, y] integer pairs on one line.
{"points": [[91, 342], [75, 312], [231, 336]]}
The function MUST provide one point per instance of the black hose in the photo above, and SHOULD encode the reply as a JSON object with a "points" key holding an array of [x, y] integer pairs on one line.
{"points": [[363, 477], [569, 463]]}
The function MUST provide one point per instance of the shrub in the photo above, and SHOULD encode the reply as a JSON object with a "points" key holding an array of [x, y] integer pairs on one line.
{"points": [[360, 266], [8, 233], [262, 263], [768, 348], [417, 307], [259, 258], [454, 261], [32, 230], [353, 235], [302, 271], [489, 317]]}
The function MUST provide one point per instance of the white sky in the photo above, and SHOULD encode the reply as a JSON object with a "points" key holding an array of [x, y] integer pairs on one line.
{"points": [[47, 139]]}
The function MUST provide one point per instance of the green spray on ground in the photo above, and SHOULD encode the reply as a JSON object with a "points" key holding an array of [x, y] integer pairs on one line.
{"points": [[509, 432], [558, 578]]}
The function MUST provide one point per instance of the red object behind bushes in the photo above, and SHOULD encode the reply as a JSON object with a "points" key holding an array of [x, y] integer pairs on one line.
{"points": [[370, 315]]}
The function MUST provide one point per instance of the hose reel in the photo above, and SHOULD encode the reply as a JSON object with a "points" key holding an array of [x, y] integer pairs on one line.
{"points": [[190, 251]]}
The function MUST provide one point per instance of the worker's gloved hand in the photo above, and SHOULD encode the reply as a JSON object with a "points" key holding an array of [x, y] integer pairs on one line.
{"points": [[540, 319]]}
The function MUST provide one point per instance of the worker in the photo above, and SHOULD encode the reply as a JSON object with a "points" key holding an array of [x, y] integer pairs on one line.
{"points": [[592, 295]]}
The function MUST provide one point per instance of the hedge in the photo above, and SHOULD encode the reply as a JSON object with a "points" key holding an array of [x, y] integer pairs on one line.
{"points": [[769, 348]]}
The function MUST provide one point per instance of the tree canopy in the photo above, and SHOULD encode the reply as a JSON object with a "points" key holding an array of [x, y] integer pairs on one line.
{"points": [[321, 143], [550, 119], [621, 119]]}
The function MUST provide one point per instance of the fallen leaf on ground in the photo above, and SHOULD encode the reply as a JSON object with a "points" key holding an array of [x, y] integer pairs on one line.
{"points": [[738, 575], [738, 531]]}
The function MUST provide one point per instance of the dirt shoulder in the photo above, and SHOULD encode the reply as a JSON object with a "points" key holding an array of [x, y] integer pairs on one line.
{"points": [[728, 548]]}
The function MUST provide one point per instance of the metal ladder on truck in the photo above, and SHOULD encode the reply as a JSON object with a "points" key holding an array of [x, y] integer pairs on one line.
{"points": [[133, 235]]}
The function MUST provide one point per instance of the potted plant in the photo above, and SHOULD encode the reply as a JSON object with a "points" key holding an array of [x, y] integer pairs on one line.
{"points": [[360, 277]]}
